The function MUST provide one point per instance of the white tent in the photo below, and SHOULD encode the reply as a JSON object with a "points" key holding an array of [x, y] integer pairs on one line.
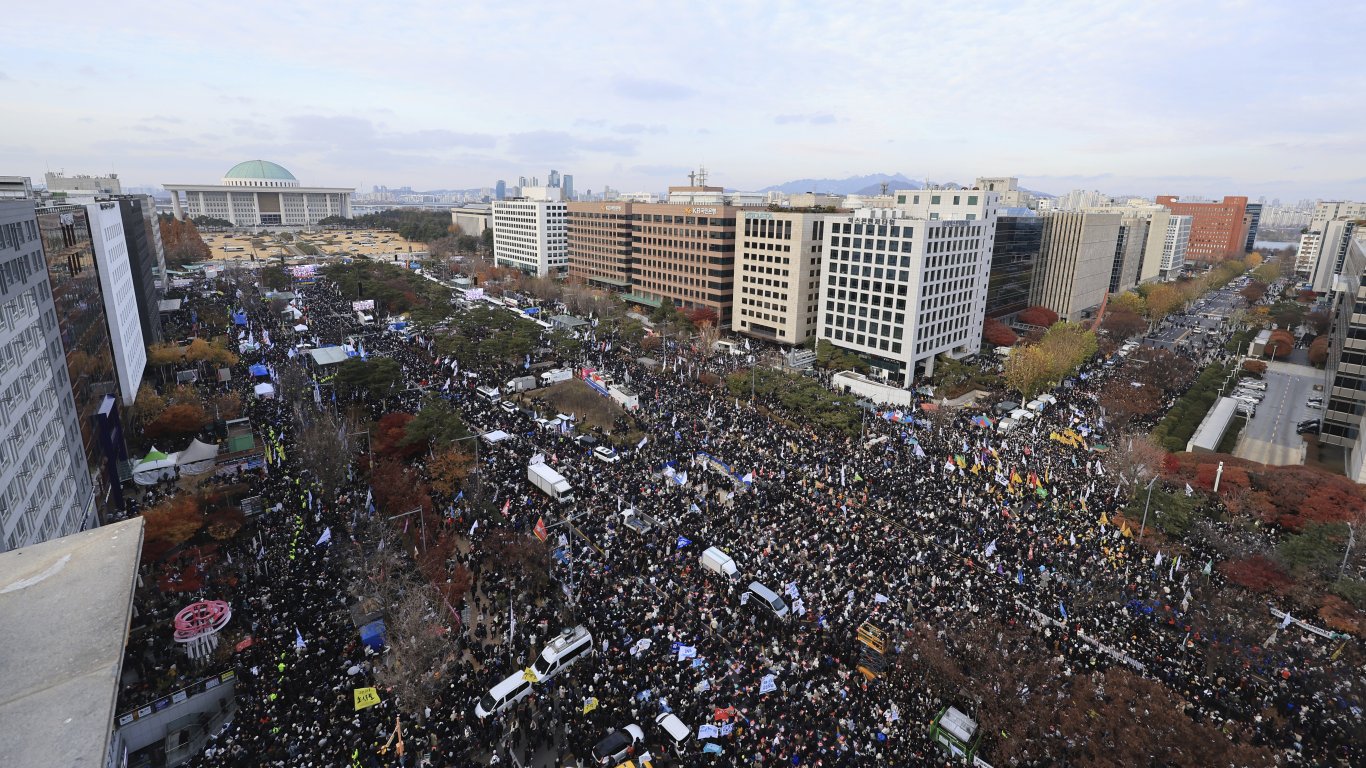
{"points": [[496, 436], [154, 467], [292, 313], [301, 328], [197, 459], [265, 390]]}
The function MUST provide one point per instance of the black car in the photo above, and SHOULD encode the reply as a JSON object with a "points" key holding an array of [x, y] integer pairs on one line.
{"points": [[1307, 423], [1311, 429], [618, 745]]}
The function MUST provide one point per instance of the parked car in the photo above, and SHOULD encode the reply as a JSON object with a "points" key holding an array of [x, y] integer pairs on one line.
{"points": [[618, 745], [508, 406], [606, 453]]}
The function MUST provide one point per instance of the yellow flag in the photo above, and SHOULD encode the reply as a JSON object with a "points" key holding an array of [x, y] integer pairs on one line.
{"points": [[1126, 532], [1103, 519], [590, 704], [529, 675], [366, 697]]}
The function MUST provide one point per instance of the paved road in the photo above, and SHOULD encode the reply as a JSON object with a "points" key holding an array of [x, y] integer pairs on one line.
{"points": [[1270, 436]]}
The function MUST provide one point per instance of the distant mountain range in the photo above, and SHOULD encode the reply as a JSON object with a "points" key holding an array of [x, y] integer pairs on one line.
{"points": [[853, 185], [870, 184]]}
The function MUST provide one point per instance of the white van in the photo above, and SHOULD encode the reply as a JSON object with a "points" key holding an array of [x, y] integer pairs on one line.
{"points": [[564, 650], [1036, 406], [490, 394], [768, 598], [503, 695], [1005, 425], [719, 562], [676, 731], [1046, 398], [1022, 414]]}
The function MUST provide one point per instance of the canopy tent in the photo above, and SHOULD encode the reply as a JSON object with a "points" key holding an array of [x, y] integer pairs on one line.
{"points": [[292, 313], [154, 467], [239, 318], [168, 305], [265, 390], [301, 328], [198, 458], [259, 370], [327, 355], [496, 436]]}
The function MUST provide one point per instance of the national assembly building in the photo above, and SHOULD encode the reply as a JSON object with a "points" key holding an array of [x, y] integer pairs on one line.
{"points": [[259, 193]]}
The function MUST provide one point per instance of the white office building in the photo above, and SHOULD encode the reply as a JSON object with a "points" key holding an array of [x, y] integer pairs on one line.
{"points": [[1174, 244], [1323, 246], [45, 486], [259, 193], [532, 234], [902, 285], [778, 274], [120, 299]]}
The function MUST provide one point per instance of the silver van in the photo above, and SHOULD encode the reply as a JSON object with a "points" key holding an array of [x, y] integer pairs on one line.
{"points": [[564, 650], [768, 598], [503, 695]]}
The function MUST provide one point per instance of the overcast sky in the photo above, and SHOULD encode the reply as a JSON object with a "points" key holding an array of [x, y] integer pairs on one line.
{"points": [[1212, 98]]}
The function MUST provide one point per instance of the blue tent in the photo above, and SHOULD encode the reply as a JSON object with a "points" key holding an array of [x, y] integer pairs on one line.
{"points": [[531, 310], [372, 634], [259, 370]]}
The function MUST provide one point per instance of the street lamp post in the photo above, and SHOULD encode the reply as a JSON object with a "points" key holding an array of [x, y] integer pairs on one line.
{"points": [[1144, 526]]}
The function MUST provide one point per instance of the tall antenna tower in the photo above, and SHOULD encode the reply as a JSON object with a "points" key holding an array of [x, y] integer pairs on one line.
{"points": [[701, 175]]}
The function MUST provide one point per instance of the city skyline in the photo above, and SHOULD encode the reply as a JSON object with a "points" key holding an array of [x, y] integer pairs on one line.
{"points": [[1124, 98]]}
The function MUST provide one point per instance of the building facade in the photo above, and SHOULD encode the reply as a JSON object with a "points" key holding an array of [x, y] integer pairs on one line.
{"points": [[145, 257], [1323, 245], [778, 274], [45, 483], [684, 253], [1013, 255], [1218, 229], [1345, 373], [903, 285], [83, 185], [1076, 258], [600, 238], [259, 193], [531, 235], [473, 219], [119, 296], [1129, 250], [1174, 244], [1252, 221]]}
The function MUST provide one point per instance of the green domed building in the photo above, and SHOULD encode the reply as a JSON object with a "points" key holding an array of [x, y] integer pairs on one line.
{"points": [[260, 193]]}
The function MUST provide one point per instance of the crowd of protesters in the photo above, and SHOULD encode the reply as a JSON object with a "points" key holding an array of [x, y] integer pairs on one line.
{"points": [[925, 520]]}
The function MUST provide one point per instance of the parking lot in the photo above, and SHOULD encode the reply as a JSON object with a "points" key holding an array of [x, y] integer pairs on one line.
{"points": [[1270, 436]]}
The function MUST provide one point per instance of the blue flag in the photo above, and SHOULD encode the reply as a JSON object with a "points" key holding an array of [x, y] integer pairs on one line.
{"points": [[683, 541], [1019, 576], [1062, 610]]}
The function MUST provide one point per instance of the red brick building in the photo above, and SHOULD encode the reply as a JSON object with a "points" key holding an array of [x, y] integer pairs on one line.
{"points": [[1218, 230]]}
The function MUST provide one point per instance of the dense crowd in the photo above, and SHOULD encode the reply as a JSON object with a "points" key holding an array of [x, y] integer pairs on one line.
{"points": [[927, 524]]}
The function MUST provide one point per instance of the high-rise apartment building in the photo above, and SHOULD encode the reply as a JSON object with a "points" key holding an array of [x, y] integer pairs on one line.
{"points": [[903, 285], [778, 274], [1013, 255], [530, 234], [1218, 229], [568, 187], [1076, 259], [1345, 373], [45, 481], [685, 253], [599, 237]]}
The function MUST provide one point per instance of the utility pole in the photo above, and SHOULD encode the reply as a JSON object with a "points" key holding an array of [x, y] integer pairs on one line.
{"points": [[1219, 473]]}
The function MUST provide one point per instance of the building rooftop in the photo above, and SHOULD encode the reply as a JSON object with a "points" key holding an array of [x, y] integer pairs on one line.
{"points": [[65, 606]]}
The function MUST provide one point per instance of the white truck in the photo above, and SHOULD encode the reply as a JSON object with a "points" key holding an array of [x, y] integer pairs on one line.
{"points": [[628, 399], [519, 384], [550, 482], [556, 375]]}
